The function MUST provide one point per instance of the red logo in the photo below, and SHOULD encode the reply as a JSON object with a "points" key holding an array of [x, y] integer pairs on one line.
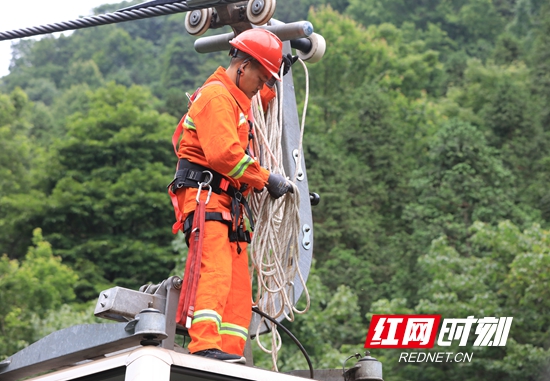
{"points": [[402, 331]]}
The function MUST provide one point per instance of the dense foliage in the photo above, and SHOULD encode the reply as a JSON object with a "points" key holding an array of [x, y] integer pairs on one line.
{"points": [[427, 138]]}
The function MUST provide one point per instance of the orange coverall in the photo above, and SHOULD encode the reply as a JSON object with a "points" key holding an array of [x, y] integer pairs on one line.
{"points": [[216, 134]]}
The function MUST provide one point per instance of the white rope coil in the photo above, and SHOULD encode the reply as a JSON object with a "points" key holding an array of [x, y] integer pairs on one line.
{"points": [[275, 246]]}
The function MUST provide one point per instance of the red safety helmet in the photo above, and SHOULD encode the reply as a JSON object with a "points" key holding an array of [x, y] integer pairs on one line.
{"points": [[263, 46]]}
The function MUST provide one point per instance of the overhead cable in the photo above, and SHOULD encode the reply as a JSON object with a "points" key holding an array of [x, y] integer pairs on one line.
{"points": [[109, 18]]}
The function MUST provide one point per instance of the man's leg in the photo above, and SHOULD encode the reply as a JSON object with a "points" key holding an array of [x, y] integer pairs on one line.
{"points": [[213, 288], [238, 310]]}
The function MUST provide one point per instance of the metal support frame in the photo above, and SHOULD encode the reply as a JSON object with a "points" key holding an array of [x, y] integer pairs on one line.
{"points": [[173, 288], [295, 32], [122, 304], [82, 342], [147, 318]]}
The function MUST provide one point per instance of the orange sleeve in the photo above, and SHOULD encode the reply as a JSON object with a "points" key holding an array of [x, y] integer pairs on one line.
{"points": [[219, 138], [267, 94]]}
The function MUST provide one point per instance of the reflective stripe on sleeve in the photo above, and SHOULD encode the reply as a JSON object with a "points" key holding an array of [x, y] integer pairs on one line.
{"points": [[239, 169], [189, 124]]}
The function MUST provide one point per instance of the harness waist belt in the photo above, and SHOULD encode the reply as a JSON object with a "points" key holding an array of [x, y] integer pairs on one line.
{"points": [[209, 216], [189, 175]]}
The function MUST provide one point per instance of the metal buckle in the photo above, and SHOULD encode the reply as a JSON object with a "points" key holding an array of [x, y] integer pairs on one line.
{"points": [[238, 196], [203, 185]]}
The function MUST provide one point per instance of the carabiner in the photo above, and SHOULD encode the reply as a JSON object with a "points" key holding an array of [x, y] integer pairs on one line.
{"points": [[209, 179], [205, 184]]}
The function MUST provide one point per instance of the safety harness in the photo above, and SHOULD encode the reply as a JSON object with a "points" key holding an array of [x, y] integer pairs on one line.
{"points": [[192, 175]]}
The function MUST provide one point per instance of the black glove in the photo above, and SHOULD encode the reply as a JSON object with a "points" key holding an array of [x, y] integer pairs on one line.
{"points": [[288, 61], [277, 185]]}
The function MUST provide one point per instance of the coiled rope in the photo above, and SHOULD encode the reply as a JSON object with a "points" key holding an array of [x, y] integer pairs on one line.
{"points": [[108, 18], [275, 245]]}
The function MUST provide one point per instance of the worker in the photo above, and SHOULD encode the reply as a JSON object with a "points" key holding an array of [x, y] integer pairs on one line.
{"points": [[215, 147]]}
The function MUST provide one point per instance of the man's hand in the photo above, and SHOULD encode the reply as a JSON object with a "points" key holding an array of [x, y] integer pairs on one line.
{"points": [[288, 61], [277, 185]]}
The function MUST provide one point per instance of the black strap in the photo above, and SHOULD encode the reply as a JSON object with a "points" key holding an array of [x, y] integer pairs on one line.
{"points": [[189, 175], [209, 216], [237, 235], [238, 198]]}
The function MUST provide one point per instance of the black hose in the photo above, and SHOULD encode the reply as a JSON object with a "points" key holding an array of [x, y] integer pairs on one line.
{"points": [[263, 314], [108, 18]]}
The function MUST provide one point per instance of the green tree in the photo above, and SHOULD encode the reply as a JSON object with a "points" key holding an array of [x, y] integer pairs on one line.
{"points": [[368, 122], [107, 211], [83, 72], [480, 20], [184, 70], [540, 63], [94, 54], [14, 145], [472, 25], [508, 49], [18, 201], [30, 289], [499, 101], [290, 11], [522, 22], [462, 181]]}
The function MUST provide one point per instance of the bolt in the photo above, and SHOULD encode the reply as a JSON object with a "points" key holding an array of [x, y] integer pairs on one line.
{"points": [[195, 18], [257, 7], [177, 282]]}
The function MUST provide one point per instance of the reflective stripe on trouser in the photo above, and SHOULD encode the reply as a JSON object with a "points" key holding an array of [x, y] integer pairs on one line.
{"points": [[233, 330], [207, 315], [224, 290]]}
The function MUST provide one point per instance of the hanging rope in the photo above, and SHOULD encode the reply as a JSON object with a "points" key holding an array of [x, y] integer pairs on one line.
{"points": [[275, 246]]}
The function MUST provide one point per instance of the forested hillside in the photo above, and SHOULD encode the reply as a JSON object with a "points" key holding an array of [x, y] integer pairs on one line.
{"points": [[427, 138]]}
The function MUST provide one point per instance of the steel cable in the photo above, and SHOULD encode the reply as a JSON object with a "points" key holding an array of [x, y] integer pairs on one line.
{"points": [[107, 18]]}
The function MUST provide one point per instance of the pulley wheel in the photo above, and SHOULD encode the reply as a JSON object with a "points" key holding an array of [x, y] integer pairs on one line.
{"points": [[317, 51], [259, 12], [198, 21]]}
